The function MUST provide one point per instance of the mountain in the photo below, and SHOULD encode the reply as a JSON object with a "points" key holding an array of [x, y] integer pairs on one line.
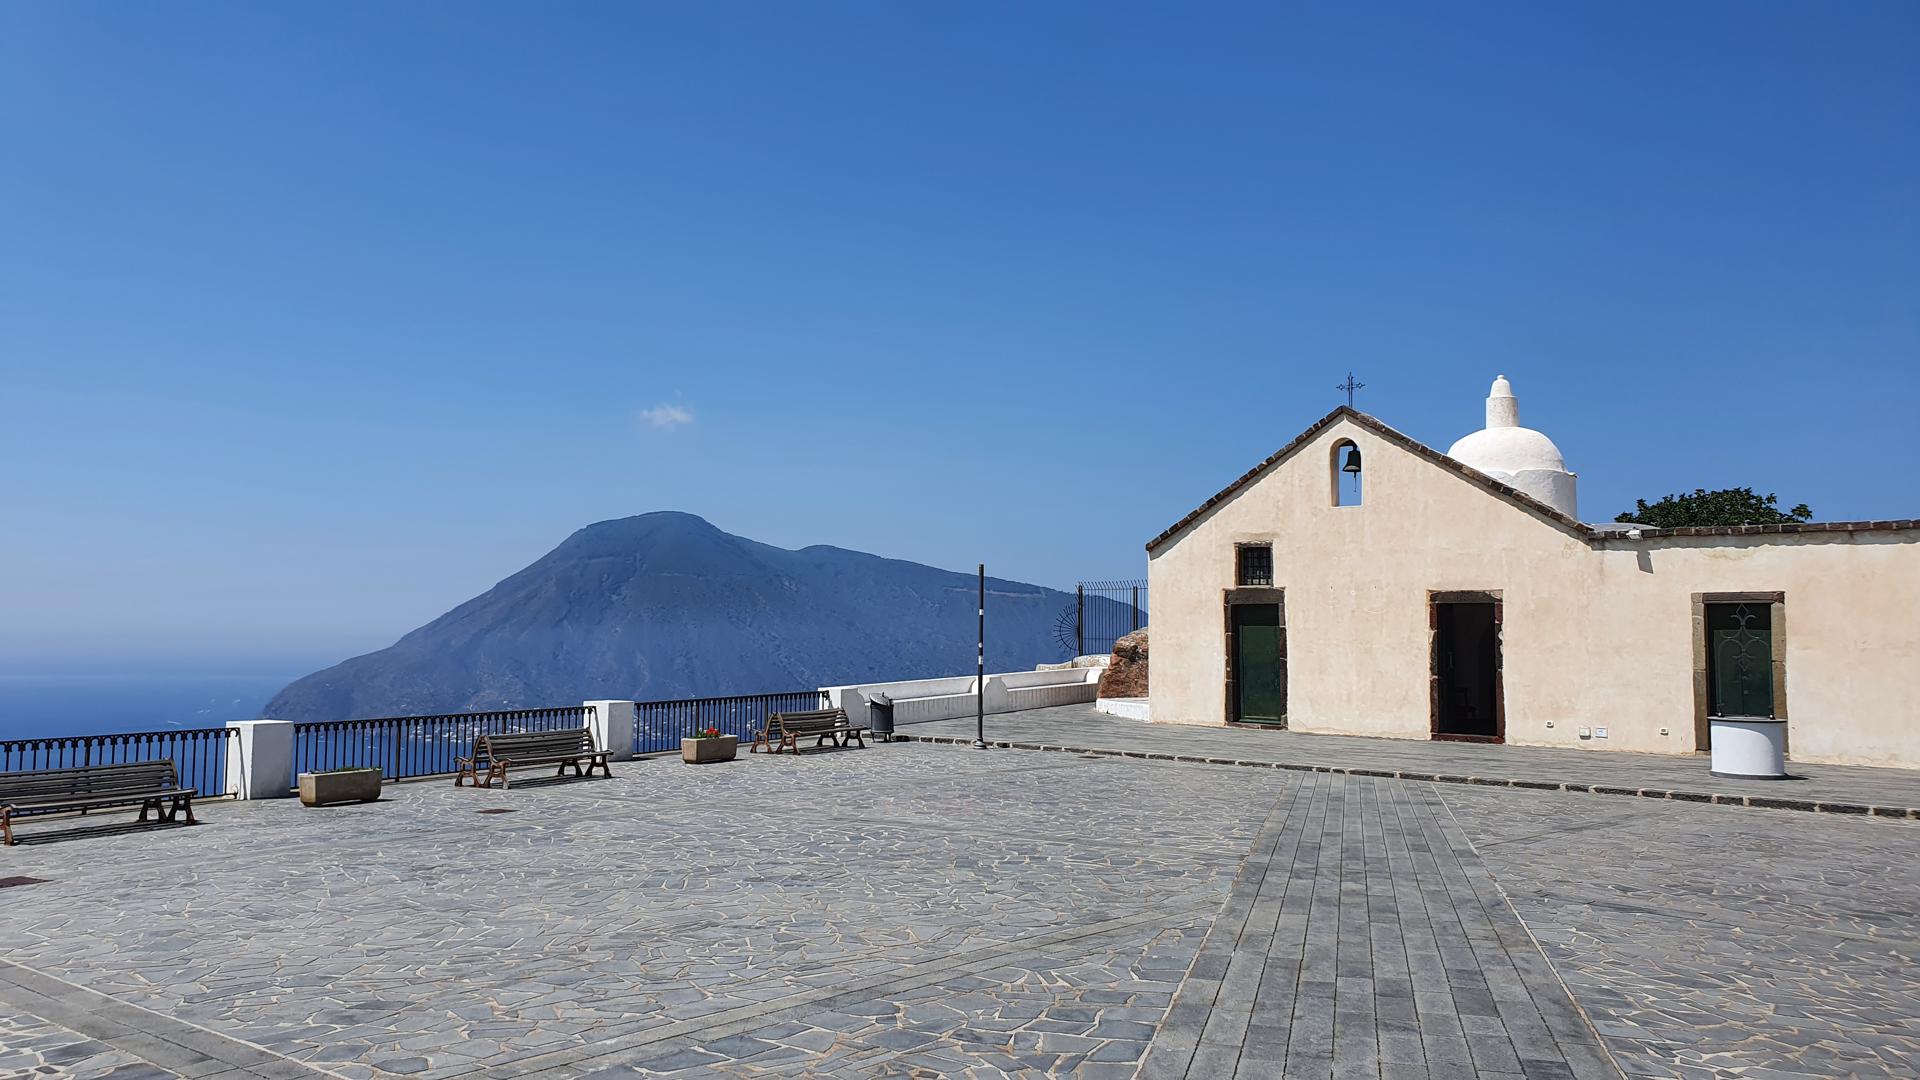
{"points": [[664, 606]]}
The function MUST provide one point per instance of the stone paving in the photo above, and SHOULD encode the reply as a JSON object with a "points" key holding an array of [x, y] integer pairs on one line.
{"points": [[1363, 938], [33, 1047], [924, 911], [75, 1031], [1838, 788], [671, 910], [1710, 941]]}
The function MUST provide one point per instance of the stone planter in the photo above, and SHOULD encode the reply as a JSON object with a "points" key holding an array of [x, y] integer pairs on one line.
{"points": [[707, 751], [1748, 748], [346, 785]]}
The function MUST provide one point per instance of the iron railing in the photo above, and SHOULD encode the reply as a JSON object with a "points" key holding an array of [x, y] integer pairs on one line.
{"points": [[408, 746], [1103, 612], [660, 725], [199, 755], [402, 746]]}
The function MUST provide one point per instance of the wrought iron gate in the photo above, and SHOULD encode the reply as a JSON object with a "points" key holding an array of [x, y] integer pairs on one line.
{"points": [[1102, 613]]}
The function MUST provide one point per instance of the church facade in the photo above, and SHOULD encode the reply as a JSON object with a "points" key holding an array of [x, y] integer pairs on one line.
{"points": [[1358, 582]]}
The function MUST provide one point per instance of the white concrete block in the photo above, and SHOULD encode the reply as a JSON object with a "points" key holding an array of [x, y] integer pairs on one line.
{"points": [[612, 723], [260, 759]]}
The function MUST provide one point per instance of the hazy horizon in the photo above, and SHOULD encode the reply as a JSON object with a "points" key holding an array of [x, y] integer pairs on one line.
{"points": [[35, 657]]}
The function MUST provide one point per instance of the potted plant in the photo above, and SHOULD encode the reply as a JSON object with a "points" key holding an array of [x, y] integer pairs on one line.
{"points": [[351, 784], [709, 745]]}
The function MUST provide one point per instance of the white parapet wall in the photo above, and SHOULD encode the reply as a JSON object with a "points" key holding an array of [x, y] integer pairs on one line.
{"points": [[1039, 689], [918, 700], [914, 700]]}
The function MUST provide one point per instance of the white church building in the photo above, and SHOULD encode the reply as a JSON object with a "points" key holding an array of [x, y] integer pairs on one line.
{"points": [[1361, 583]]}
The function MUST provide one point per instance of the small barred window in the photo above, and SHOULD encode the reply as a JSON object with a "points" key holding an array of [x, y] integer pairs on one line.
{"points": [[1256, 564]]}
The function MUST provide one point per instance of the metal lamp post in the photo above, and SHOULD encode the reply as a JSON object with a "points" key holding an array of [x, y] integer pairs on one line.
{"points": [[980, 671]]}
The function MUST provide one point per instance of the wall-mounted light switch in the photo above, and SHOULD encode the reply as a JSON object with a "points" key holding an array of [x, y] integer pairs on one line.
{"points": [[1599, 733]]}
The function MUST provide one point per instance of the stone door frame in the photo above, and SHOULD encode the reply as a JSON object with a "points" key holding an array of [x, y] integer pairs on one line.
{"points": [[1435, 598], [1274, 595], [1702, 693]]}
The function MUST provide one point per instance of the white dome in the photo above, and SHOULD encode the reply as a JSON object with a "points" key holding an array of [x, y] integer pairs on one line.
{"points": [[1507, 450], [1519, 457]]}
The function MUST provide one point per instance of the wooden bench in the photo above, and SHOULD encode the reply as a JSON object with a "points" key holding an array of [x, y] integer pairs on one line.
{"points": [[150, 785], [785, 730], [528, 748]]}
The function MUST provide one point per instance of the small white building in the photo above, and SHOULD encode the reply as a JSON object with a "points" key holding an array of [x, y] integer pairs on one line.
{"points": [[1358, 582]]}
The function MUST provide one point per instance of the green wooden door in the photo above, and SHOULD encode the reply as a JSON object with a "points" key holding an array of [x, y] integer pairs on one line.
{"points": [[1740, 659], [1259, 665]]}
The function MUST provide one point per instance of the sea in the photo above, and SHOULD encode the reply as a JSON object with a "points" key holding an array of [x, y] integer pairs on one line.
{"points": [[34, 705]]}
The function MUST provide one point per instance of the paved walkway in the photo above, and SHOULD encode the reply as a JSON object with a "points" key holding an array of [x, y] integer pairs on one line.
{"points": [[1835, 788], [1363, 937], [925, 911], [52, 1027]]}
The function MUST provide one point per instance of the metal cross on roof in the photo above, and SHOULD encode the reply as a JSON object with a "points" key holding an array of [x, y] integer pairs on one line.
{"points": [[1350, 386]]}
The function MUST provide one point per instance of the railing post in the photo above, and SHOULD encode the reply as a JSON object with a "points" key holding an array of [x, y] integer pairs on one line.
{"points": [[1136, 607], [612, 723], [260, 759], [1079, 620]]}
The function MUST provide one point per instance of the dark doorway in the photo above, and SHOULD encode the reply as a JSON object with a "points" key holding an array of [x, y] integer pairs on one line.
{"points": [[1466, 687], [1740, 659], [1258, 653]]}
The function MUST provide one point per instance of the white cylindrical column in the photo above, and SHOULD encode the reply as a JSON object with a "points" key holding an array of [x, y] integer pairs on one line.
{"points": [[1503, 409], [260, 759], [612, 724], [1749, 748]]}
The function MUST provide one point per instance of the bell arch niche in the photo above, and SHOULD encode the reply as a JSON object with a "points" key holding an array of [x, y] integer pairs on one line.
{"points": [[1345, 473]]}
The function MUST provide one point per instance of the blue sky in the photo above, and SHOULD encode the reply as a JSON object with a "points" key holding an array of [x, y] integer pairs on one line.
{"points": [[316, 320]]}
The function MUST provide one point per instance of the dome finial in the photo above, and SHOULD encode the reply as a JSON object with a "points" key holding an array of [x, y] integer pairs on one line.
{"points": [[1503, 409]]}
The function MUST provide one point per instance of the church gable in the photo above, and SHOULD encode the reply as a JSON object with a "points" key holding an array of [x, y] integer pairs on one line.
{"points": [[1296, 455]]}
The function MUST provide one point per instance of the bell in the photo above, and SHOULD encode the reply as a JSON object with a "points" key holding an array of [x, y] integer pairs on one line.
{"points": [[1352, 467]]}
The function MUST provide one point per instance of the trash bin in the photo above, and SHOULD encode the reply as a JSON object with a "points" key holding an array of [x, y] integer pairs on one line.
{"points": [[1748, 747], [880, 716]]}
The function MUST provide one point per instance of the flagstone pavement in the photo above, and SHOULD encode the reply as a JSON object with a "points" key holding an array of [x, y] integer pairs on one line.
{"points": [[923, 911]]}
